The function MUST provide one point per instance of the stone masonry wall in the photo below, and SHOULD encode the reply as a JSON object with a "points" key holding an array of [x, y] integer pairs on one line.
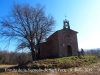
{"points": [[67, 37], [50, 48], [56, 44]]}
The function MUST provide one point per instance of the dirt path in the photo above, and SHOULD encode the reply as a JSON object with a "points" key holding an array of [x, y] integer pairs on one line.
{"points": [[3, 67], [6, 66]]}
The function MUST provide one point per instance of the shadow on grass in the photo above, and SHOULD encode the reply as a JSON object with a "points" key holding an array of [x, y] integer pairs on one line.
{"points": [[2, 70]]}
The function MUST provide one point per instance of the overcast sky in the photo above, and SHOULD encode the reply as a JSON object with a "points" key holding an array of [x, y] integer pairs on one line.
{"points": [[83, 16]]}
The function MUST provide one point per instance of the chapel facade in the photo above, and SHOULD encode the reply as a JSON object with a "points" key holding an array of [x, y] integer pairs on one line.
{"points": [[61, 43]]}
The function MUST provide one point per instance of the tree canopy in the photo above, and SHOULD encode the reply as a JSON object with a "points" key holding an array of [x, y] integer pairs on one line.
{"points": [[29, 25]]}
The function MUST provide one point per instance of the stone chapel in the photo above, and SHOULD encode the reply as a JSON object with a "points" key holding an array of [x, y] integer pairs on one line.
{"points": [[61, 43]]}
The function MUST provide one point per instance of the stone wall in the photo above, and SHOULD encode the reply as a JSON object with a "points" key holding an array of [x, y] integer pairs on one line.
{"points": [[49, 49], [56, 44], [67, 37]]}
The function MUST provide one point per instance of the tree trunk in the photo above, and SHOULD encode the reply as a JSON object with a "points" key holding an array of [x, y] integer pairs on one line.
{"points": [[38, 53], [32, 51], [33, 55]]}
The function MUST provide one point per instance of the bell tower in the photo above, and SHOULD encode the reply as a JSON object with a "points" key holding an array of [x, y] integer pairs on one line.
{"points": [[66, 24]]}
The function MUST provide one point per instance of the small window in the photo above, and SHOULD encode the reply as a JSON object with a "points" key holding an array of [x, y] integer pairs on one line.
{"points": [[67, 36], [63, 45]]}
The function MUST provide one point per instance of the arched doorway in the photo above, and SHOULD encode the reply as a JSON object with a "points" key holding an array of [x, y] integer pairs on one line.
{"points": [[69, 50]]}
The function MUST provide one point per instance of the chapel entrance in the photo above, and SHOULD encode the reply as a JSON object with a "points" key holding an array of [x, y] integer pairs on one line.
{"points": [[69, 50]]}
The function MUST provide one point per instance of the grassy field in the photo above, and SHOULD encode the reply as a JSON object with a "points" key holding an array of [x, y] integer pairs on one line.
{"points": [[87, 65], [65, 62]]}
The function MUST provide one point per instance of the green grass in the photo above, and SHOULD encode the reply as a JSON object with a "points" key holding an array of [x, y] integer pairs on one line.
{"points": [[65, 62]]}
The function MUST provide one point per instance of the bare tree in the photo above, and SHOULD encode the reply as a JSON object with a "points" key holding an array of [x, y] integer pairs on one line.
{"points": [[28, 25]]}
